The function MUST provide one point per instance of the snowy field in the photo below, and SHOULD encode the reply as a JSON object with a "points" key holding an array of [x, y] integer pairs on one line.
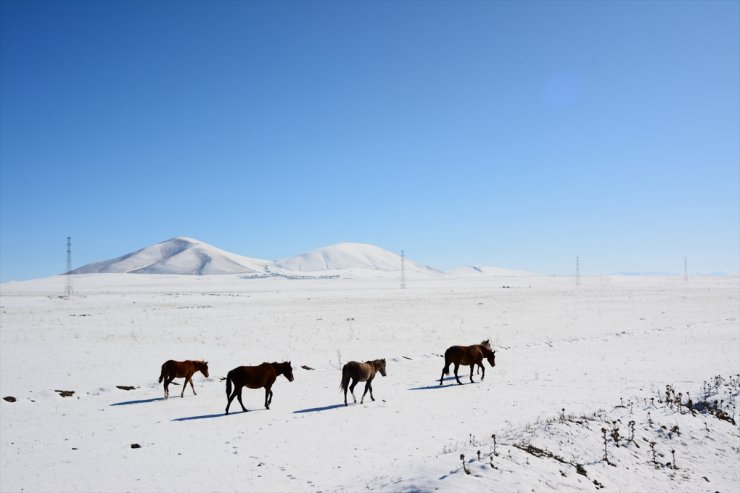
{"points": [[570, 361]]}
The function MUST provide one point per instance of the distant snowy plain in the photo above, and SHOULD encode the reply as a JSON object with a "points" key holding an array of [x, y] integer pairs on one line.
{"points": [[570, 360]]}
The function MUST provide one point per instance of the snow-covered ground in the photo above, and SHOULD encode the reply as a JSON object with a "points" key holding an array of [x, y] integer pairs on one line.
{"points": [[569, 362]]}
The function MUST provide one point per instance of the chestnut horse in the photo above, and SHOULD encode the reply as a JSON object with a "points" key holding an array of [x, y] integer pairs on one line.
{"points": [[468, 355], [172, 369], [255, 377], [361, 372]]}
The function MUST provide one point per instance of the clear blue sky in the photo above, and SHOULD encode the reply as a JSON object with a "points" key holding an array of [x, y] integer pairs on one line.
{"points": [[512, 134]]}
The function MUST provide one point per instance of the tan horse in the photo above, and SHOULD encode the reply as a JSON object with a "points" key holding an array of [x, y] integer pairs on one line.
{"points": [[468, 355], [255, 377], [361, 372], [172, 369]]}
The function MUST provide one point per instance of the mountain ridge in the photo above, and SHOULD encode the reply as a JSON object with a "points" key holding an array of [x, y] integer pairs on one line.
{"points": [[184, 255]]}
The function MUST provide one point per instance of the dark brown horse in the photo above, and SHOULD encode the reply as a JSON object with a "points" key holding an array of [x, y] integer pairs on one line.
{"points": [[468, 355], [361, 372], [172, 369], [255, 377]]}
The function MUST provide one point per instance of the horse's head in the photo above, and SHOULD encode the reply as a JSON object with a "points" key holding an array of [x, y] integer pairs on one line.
{"points": [[288, 371], [491, 357], [380, 365], [203, 367]]}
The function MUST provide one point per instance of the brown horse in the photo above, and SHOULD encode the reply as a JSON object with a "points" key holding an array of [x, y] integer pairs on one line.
{"points": [[361, 372], [487, 344], [255, 377], [172, 369], [468, 355]]}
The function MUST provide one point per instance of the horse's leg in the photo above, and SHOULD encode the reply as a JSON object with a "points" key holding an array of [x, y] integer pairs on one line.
{"points": [[239, 396], [231, 398], [184, 386], [352, 389], [483, 371], [268, 397], [191, 385], [167, 383], [368, 386], [457, 367], [472, 368]]}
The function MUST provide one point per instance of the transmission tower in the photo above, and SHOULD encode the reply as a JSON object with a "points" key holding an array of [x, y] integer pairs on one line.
{"points": [[68, 288], [578, 271], [685, 269], [403, 270]]}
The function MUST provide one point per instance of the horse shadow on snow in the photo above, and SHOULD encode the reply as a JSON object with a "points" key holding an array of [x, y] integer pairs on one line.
{"points": [[437, 386], [140, 401], [319, 409], [216, 415]]}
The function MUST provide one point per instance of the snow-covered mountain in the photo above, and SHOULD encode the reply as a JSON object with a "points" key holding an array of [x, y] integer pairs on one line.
{"points": [[188, 256], [179, 255], [346, 256]]}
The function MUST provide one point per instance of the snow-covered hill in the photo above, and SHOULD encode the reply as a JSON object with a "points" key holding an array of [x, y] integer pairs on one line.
{"points": [[346, 256], [187, 256], [179, 255]]}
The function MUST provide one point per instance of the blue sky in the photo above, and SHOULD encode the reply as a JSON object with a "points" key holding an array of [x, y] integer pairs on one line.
{"points": [[512, 134]]}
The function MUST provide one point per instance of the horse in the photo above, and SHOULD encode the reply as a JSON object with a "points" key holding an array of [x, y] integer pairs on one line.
{"points": [[172, 369], [468, 355], [486, 343], [361, 372], [255, 377]]}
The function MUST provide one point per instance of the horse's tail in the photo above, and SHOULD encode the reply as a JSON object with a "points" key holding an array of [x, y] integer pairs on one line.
{"points": [[446, 369], [228, 384], [345, 379], [161, 374]]}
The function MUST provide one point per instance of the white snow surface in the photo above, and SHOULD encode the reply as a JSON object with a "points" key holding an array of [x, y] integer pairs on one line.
{"points": [[477, 271], [570, 360]]}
